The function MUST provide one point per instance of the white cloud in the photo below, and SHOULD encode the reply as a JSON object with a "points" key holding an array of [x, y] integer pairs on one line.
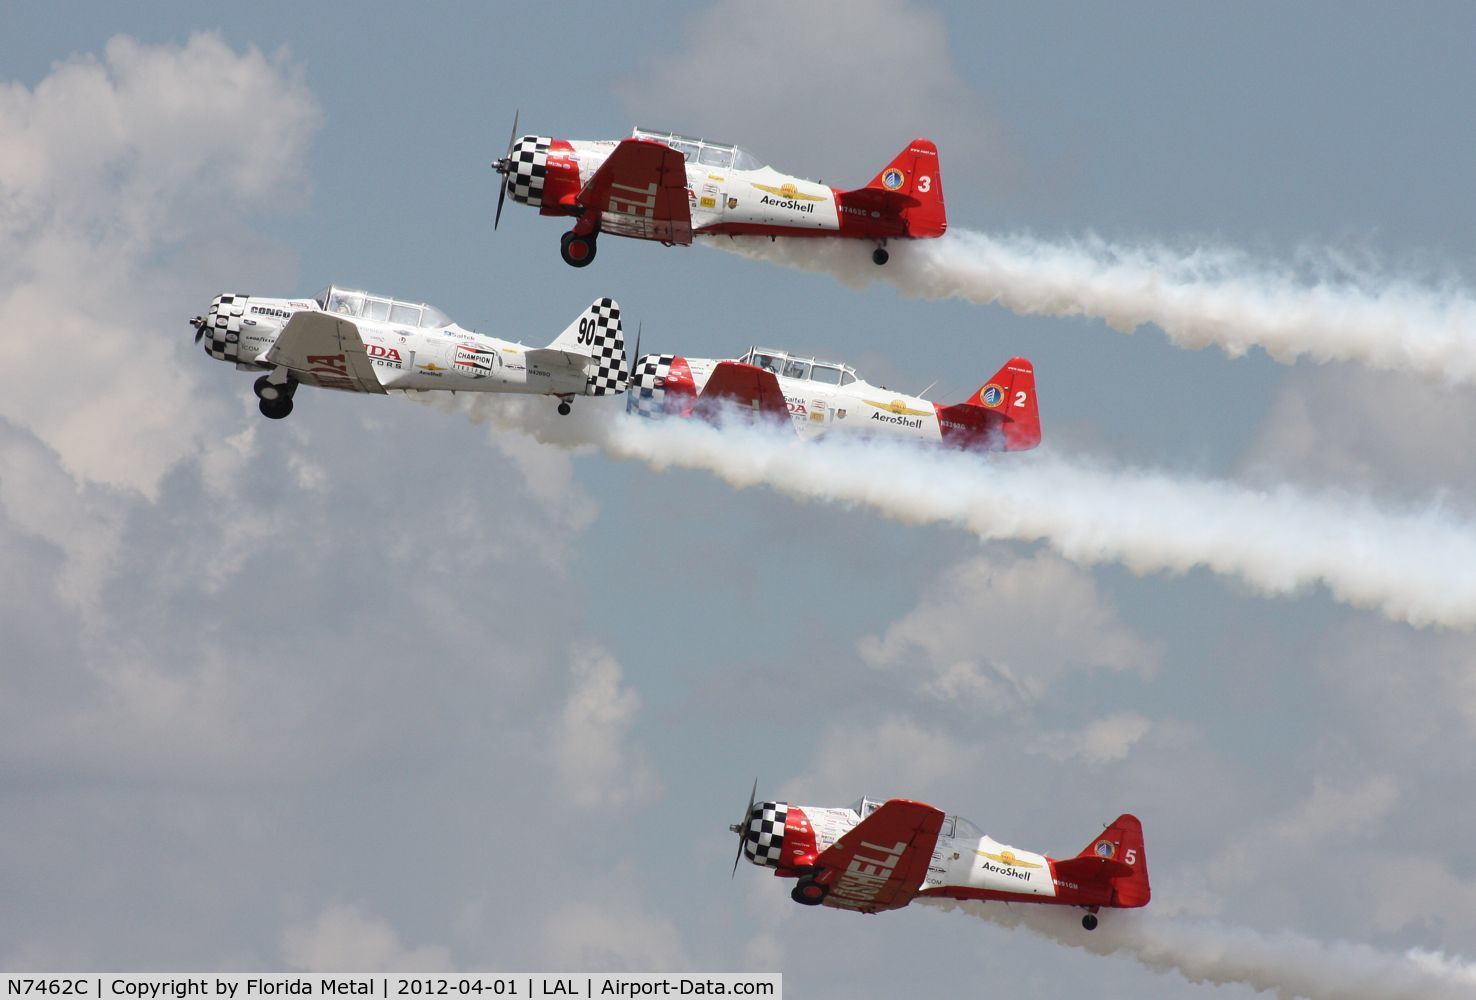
{"points": [[596, 768], [109, 169], [611, 936], [342, 938], [785, 79], [1099, 742], [998, 631]]}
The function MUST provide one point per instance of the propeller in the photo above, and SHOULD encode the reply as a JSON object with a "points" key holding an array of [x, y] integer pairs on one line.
{"points": [[741, 829], [630, 386], [199, 323], [503, 166]]}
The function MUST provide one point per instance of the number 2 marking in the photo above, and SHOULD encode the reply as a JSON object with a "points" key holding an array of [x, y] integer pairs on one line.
{"points": [[925, 183], [1020, 398]]}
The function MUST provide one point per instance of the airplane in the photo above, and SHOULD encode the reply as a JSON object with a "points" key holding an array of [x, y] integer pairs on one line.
{"points": [[875, 856], [826, 398], [359, 342], [669, 187]]}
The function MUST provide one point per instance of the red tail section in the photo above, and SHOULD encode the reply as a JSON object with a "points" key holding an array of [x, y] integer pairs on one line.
{"points": [[1122, 841], [1001, 415], [915, 173]]}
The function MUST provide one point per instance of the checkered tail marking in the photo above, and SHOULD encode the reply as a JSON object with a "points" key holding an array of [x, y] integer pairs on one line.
{"points": [[607, 373], [764, 838], [223, 327], [529, 169], [648, 378]]}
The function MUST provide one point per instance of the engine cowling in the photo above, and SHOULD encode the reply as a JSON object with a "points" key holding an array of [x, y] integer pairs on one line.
{"points": [[779, 835], [662, 384], [544, 173]]}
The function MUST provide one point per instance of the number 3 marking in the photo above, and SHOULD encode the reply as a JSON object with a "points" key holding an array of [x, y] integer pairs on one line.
{"points": [[1020, 401], [925, 183]]}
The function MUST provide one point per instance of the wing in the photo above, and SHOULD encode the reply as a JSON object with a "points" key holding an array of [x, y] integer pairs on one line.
{"points": [[641, 191], [548, 357], [326, 350], [881, 862], [734, 388]]}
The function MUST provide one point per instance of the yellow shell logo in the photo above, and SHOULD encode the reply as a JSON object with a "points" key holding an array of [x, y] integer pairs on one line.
{"points": [[789, 190], [1008, 857], [898, 406]]}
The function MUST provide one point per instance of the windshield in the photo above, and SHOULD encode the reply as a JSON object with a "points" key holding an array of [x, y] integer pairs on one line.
{"points": [[718, 155]]}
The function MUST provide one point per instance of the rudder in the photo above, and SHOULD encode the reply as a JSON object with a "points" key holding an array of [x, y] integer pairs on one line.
{"points": [[915, 173], [597, 334], [1123, 841], [1010, 393]]}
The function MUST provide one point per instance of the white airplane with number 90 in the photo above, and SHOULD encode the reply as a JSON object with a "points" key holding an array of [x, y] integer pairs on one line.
{"points": [[358, 342]]}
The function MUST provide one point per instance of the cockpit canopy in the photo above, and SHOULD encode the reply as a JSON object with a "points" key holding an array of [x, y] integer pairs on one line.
{"points": [[785, 365], [710, 154], [953, 826], [366, 305]]}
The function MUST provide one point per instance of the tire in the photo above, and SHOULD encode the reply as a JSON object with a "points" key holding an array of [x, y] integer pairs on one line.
{"points": [[265, 388], [564, 409], [1089, 921], [577, 251], [275, 409], [809, 892], [879, 256]]}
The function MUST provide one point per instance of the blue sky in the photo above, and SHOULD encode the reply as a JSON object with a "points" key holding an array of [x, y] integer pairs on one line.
{"points": [[385, 686]]}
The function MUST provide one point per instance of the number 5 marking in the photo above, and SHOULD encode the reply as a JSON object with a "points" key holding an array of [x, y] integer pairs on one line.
{"points": [[1132, 856]]}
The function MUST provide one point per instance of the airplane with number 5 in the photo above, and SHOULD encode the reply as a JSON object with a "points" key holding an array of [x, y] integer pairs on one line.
{"points": [[875, 856], [827, 398], [359, 342], [672, 188]]}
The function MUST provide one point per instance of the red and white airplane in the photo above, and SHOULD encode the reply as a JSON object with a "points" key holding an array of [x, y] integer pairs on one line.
{"points": [[671, 188], [876, 856], [823, 398]]}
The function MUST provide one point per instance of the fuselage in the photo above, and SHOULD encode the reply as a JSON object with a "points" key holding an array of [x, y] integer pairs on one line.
{"points": [[412, 346], [729, 191], [965, 862]]}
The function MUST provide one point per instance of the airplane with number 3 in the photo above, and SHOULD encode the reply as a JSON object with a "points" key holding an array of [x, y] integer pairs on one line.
{"points": [[828, 399], [875, 856], [359, 342], [672, 188]]}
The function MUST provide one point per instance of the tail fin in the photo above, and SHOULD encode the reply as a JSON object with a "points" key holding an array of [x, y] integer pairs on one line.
{"points": [[597, 335], [1123, 841], [1001, 415], [914, 173]]}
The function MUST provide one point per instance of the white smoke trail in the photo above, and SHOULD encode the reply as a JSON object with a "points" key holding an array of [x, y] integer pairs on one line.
{"points": [[1291, 965], [1412, 566], [1209, 296]]}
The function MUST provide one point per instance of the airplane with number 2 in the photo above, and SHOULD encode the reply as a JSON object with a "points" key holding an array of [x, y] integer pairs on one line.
{"points": [[359, 342], [828, 399], [875, 856], [672, 188]]}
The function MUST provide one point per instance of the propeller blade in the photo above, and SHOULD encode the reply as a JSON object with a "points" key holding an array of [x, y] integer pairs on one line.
{"points": [[742, 827], [630, 367], [502, 166], [199, 324]]}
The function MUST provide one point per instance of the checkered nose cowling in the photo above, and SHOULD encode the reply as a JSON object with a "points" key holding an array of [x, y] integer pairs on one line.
{"points": [[528, 169], [221, 334], [764, 838], [648, 383]]}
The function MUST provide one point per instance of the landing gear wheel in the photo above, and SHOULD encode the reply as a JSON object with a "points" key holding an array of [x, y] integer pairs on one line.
{"points": [[809, 892], [577, 250], [1089, 921], [564, 409], [266, 389], [879, 256], [275, 409]]}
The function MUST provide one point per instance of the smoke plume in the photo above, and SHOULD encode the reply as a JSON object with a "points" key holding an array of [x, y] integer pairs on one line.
{"points": [[1289, 965], [1325, 310], [1411, 566]]}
